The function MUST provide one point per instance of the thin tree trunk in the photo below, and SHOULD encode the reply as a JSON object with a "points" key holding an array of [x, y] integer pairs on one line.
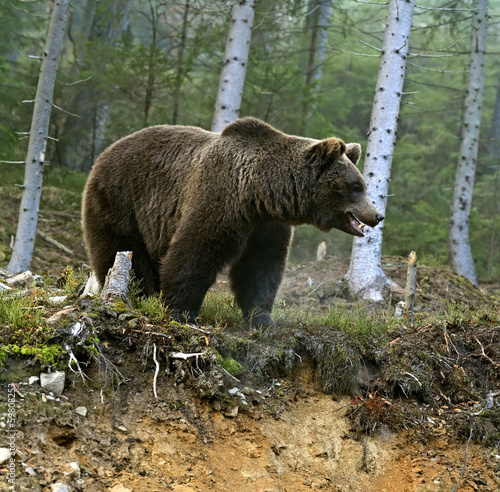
{"points": [[459, 251], [234, 65], [83, 139], [33, 177], [319, 34], [494, 162], [148, 100], [180, 64], [365, 277]]}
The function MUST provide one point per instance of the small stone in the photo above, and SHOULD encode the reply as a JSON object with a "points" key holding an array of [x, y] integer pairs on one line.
{"points": [[119, 488], [53, 382], [233, 413], [233, 391], [56, 300], [4, 455], [33, 379], [81, 411], [59, 487], [122, 429], [71, 471], [30, 471]]}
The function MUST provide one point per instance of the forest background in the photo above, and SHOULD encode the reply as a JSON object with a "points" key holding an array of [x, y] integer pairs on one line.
{"points": [[127, 64]]}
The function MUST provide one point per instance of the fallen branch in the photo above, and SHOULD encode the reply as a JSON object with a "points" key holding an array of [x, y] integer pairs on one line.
{"points": [[55, 243]]}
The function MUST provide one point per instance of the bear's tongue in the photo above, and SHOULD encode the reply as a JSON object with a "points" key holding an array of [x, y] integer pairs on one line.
{"points": [[357, 225]]}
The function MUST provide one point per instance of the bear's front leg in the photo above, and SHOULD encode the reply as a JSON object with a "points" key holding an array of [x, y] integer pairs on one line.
{"points": [[196, 254], [256, 275]]}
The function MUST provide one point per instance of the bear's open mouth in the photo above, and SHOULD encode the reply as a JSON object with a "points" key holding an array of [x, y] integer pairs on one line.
{"points": [[356, 224]]}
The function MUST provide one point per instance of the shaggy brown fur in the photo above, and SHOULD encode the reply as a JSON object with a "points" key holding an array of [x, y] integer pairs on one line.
{"points": [[188, 202]]}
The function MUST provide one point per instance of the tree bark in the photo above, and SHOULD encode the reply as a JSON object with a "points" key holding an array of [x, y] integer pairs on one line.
{"points": [[319, 34], [365, 277], [35, 158], [180, 64], [83, 138], [459, 250], [234, 65]]}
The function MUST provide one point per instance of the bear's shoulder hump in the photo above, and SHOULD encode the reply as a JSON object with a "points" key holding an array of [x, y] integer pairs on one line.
{"points": [[249, 127]]}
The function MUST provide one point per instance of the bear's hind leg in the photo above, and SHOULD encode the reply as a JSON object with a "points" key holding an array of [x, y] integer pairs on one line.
{"points": [[256, 276]]}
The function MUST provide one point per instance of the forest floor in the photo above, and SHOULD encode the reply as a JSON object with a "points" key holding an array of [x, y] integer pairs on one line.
{"points": [[314, 406]]}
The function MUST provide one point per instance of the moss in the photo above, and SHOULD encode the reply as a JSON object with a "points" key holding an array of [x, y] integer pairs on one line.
{"points": [[230, 365]]}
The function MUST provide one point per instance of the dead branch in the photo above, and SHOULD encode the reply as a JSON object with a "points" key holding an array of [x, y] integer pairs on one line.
{"points": [[484, 354], [55, 243]]}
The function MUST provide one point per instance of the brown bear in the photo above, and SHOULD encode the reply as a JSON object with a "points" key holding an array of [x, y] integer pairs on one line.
{"points": [[189, 202]]}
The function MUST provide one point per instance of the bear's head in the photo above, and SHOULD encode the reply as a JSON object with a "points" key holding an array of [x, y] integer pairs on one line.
{"points": [[339, 197]]}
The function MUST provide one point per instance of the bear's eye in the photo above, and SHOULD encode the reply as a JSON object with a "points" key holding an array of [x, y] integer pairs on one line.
{"points": [[356, 188]]}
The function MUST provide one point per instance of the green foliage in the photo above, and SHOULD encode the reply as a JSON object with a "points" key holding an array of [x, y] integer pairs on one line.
{"points": [[47, 355], [153, 307], [138, 72], [220, 309], [21, 313], [230, 365]]}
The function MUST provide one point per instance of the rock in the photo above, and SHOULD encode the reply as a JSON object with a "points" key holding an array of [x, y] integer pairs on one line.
{"points": [[4, 455], [81, 411], [59, 487], [71, 471], [119, 488], [56, 300], [33, 379], [232, 413], [53, 381], [30, 471]]}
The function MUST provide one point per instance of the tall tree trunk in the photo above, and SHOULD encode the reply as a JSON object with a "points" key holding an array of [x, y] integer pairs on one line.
{"points": [[459, 251], [234, 64], [319, 33], [83, 139], [494, 135], [365, 277], [493, 159], [180, 64], [35, 157], [150, 84]]}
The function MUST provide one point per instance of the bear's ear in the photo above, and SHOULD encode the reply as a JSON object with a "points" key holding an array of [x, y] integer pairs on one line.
{"points": [[323, 153], [353, 152]]}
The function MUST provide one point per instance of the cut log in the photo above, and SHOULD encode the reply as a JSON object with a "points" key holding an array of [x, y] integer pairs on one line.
{"points": [[411, 287], [118, 278]]}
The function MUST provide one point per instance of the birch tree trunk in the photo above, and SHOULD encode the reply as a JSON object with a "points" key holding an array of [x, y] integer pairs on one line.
{"points": [[365, 277], [234, 64], [35, 157], [459, 251]]}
